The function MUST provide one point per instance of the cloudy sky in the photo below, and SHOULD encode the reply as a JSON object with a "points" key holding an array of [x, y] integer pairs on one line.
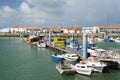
{"points": [[45, 13]]}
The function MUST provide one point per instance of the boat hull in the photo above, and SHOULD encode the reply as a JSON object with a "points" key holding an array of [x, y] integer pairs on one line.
{"points": [[65, 69], [108, 40], [98, 69], [56, 58], [84, 72], [41, 45], [83, 69], [71, 57]]}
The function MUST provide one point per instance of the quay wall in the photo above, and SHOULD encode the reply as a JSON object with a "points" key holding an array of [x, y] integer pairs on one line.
{"points": [[9, 34], [78, 35]]}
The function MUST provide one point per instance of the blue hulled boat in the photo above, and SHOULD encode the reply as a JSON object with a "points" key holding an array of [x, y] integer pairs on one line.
{"points": [[57, 57], [108, 40]]}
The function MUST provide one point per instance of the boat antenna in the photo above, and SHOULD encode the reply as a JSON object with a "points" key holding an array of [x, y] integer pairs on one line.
{"points": [[106, 34]]}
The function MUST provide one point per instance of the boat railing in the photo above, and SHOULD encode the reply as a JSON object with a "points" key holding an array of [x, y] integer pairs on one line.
{"points": [[109, 54]]}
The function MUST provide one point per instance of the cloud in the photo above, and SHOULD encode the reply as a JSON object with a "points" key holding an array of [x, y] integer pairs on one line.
{"points": [[36, 12], [30, 15], [7, 9], [62, 12], [92, 12], [53, 10], [6, 15], [54, 7], [25, 8]]}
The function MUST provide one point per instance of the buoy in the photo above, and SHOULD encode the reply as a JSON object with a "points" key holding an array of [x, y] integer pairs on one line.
{"points": [[82, 62], [93, 56]]}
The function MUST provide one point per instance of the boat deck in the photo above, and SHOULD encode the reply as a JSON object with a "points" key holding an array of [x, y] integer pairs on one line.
{"points": [[65, 69]]}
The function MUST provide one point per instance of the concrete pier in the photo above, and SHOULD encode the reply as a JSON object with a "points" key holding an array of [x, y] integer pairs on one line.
{"points": [[9, 34]]}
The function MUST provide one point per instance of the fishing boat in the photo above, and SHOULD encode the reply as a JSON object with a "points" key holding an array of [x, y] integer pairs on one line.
{"points": [[100, 39], [90, 66], [91, 45], [83, 68], [73, 44], [57, 57], [70, 57], [96, 64], [32, 39], [92, 49], [41, 44], [58, 41], [65, 68], [108, 40], [96, 51], [117, 40], [24, 36]]}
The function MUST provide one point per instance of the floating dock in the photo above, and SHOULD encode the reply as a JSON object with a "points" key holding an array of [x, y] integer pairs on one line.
{"points": [[66, 50], [108, 57], [65, 69]]}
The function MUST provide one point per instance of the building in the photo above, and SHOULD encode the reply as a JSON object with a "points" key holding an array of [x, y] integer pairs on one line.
{"points": [[112, 29], [72, 30], [88, 29], [20, 29], [25, 29], [55, 29], [5, 30], [59, 29]]}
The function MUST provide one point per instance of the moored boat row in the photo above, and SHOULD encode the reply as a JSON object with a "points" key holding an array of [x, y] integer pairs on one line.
{"points": [[85, 67], [65, 56]]}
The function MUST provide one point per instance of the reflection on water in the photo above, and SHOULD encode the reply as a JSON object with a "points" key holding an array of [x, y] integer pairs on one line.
{"points": [[41, 49], [19, 61], [82, 77]]}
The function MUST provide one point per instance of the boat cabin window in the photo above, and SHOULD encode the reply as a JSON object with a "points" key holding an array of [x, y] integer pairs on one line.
{"points": [[82, 66], [68, 56], [68, 43], [59, 39], [73, 55], [78, 66], [64, 39], [89, 66]]}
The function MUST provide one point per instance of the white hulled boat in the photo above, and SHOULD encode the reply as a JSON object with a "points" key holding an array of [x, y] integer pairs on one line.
{"points": [[88, 66], [41, 44], [96, 64], [83, 68], [70, 57], [32, 39]]}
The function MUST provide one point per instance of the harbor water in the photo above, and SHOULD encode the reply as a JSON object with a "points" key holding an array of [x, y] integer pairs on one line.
{"points": [[19, 61]]}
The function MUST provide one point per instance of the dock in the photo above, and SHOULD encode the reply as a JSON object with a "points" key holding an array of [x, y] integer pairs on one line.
{"points": [[111, 57], [59, 48], [5, 34], [66, 50], [108, 57]]}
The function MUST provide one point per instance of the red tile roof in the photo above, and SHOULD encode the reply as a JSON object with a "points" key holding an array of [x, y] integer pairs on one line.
{"points": [[55, 28], [26, 27], [110, 26]]}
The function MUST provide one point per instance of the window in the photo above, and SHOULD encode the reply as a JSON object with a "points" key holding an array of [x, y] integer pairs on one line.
{"points": [[59, 39], [64, 39], [82, 66]]}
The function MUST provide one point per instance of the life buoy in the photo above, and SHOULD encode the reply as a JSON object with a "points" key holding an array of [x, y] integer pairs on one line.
{"points": [[94, 56], [82, 62]]}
